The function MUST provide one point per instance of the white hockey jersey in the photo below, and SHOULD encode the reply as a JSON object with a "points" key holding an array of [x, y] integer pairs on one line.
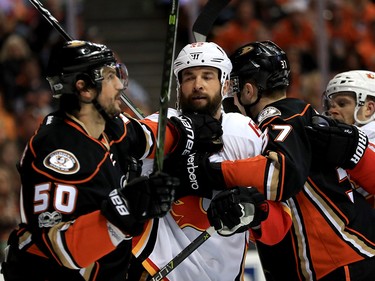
{"points": [[218, 258]]}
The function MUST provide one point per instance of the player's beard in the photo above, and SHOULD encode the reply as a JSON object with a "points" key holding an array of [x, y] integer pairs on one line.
{"points": [[113, 108], [210, 108]]}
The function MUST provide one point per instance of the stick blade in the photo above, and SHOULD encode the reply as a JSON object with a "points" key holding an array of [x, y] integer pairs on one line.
{"points": [[206, 19]]}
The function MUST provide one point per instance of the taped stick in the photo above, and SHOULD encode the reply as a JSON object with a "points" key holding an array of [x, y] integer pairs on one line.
{"points": [[203, 237]]}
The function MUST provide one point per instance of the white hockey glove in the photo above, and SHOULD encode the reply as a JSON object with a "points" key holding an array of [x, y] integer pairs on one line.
{"points": [[236, 210]]}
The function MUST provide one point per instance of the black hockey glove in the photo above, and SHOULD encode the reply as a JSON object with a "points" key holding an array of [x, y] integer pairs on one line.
{"points": [[236, 210], [198, 176], [141, 199], [197, 132], [336, 143]]}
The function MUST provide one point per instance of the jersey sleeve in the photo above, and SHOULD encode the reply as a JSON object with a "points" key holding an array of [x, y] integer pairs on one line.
{"points": [[363, 173], [171, 134], [281, 171], [75, 244], [274, 228]]}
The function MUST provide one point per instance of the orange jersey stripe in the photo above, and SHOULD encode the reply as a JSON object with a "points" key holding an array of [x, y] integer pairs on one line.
{"points": [[245, 172], [363, 174]]}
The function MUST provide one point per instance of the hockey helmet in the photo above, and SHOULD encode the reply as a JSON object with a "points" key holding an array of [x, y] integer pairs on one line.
{"points": [[202, 54], [74, 58], [359, 82], [262, 62]]}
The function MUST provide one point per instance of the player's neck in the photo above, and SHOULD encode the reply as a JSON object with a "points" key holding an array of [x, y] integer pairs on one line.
{"points": [[93, 121]]}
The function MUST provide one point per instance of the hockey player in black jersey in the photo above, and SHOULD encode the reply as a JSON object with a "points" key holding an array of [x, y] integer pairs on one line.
{"points": [[332, 237], [81, 197]]}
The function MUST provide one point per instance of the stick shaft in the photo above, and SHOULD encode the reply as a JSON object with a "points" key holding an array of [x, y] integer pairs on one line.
{"points": [[163, 272], [170, 47], [51, 19], [138, 113], [206, 18]]}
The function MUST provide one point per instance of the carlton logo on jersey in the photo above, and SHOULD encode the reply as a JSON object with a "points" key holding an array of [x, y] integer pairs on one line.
{"points": [[62, 161]]}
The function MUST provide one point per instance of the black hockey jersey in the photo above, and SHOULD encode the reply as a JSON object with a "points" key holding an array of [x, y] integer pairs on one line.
{"points": [[333, 225], [66, 174]]}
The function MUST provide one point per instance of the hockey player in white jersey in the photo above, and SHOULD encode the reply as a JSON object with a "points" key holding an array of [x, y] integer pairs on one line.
{"points": [[350, 98], [202, 71]]}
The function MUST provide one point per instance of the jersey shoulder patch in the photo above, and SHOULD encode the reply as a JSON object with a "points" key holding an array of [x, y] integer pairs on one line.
{"points": [[268, 112], [62, 161]]}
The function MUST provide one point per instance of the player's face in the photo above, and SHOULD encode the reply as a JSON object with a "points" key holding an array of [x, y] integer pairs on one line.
{"points": [[200, 90], [341, 107], [112, 87]]}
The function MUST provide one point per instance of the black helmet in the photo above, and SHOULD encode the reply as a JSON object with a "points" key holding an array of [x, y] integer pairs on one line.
{"points": [[74, 58], [265, 63]]}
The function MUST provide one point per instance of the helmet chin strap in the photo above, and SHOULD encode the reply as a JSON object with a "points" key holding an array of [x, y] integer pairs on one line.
{"points": [[247, 107], [98, 106], [359, 122]]}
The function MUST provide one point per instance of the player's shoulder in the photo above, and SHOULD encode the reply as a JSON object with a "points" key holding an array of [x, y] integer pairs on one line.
{"points": [[62, 148], [287, 109], [240, 124], [155, 116]]}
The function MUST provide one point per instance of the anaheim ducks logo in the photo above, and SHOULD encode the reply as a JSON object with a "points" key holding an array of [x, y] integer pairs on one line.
{"points": [[246, 50], [62, 161], [267, 113]]}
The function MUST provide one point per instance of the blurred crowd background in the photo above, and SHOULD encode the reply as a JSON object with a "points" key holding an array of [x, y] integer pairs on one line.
{"points": [[345, 28]]}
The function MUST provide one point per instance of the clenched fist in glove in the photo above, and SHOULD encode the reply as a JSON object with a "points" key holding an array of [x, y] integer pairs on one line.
{"points": [[196, 131], [141, 199], [336, 143], [236, 210]]}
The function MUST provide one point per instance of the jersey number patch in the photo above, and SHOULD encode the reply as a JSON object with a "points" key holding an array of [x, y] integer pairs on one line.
{"points": [[64, 199]]}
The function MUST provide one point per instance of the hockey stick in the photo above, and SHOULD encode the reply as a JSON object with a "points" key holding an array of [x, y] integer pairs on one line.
{"points": [[51, 19], [166, 84], [206, 19], [55, 23], [183, 254]]}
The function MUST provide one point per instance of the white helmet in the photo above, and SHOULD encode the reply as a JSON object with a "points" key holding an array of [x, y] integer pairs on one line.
{"points": [[202, 54], [359, 82]]}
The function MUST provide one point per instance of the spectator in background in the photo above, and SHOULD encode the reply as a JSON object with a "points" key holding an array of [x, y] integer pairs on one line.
{"points": [[7, 121], [9, 218], [342, 34], [244, 27], [13, 53], [295, 32], [366, 46]]}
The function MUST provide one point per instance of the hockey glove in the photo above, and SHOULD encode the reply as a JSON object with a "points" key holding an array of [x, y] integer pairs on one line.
{"points": [[336, 143], [236, 210], [141, 199], [197, 175], [197, 132]]}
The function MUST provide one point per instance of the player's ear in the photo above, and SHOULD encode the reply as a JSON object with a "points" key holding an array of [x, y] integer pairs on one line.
{"points": [[83, 90], [370, 108], [249, 90], [226, 87]]}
